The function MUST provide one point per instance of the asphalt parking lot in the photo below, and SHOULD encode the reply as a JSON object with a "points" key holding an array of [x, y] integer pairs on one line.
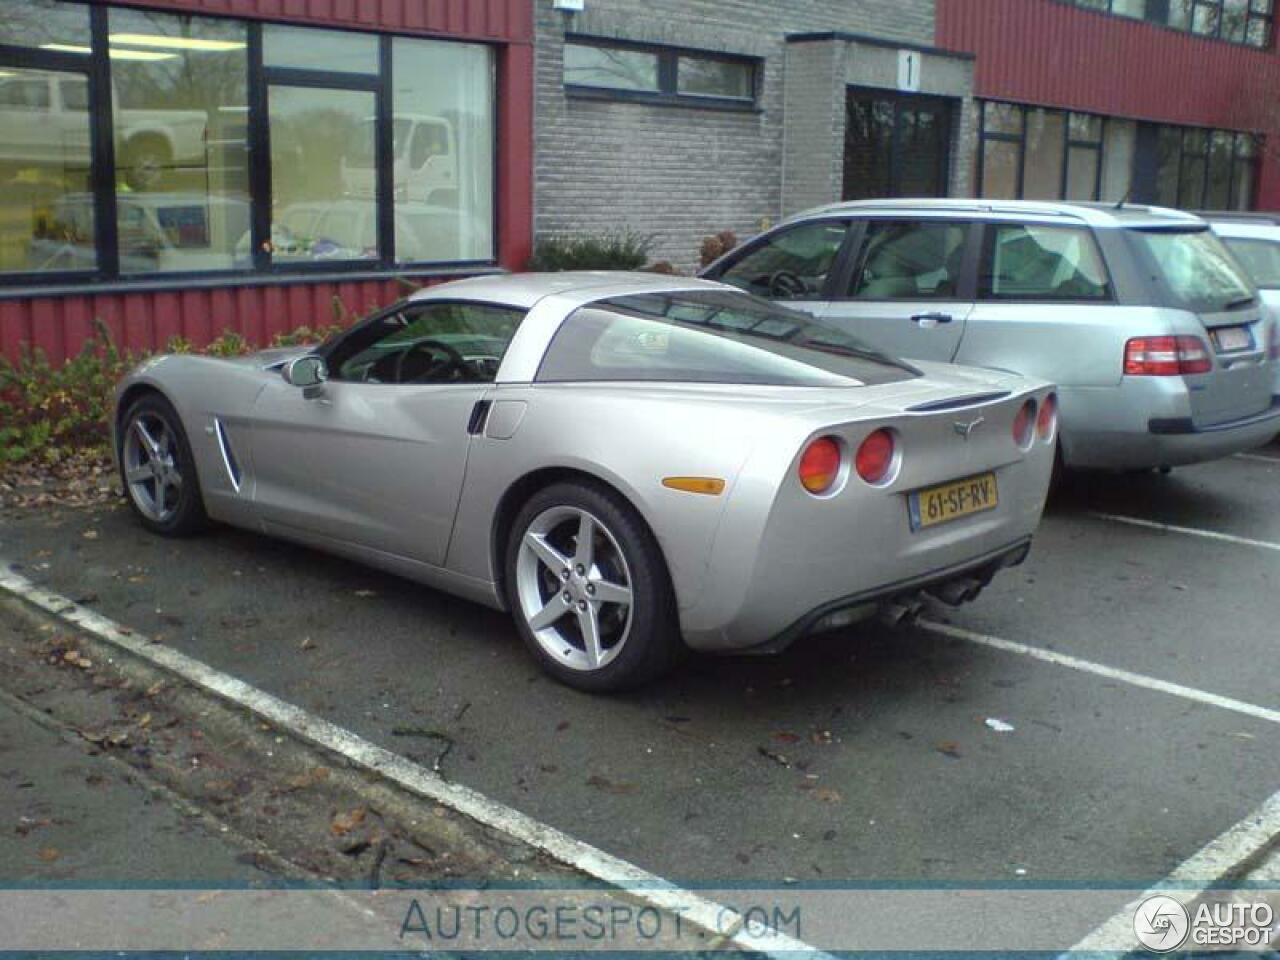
{"points": [[861, 756]]}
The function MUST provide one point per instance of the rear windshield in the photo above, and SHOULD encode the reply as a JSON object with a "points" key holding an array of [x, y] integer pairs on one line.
{"points": [[1197, 269], [710, 337], [1260, 259]]}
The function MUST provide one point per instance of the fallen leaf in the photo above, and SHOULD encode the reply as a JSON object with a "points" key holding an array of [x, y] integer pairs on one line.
{"points": [[49, 854], [307, 644], [784, 737], [313, 777], [90, 534], [949, 748], [827, 795], [344, 823], [608, 786]]}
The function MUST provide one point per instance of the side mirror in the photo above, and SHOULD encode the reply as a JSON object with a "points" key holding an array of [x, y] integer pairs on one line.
{"points": [[305, 371]]}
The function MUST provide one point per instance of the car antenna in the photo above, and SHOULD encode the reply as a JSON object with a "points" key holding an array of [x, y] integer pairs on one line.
{"points": [[1125, 199]]}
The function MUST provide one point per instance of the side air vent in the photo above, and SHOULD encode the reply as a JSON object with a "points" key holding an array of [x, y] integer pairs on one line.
{"points": [[228, 455], [956, 403]]}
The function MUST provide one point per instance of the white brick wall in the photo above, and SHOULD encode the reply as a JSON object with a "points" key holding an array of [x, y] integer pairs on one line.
{"points": [[682, 173]]}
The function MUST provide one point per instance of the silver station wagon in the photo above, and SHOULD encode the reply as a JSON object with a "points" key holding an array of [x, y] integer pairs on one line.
{"points": [[1162, 349]]}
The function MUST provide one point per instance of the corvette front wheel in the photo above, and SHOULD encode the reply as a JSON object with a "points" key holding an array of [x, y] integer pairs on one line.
{"points": [[158, 469], [589, 589]]}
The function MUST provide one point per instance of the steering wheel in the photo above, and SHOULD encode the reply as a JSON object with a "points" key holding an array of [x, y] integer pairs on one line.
{"points": [[437, 369], [786, 285]]}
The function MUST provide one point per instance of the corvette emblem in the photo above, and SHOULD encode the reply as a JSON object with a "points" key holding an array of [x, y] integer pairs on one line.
{"points": [[964, 429]]}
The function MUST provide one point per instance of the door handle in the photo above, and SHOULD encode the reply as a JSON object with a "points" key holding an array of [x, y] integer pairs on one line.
{"points": [[929, 320]]}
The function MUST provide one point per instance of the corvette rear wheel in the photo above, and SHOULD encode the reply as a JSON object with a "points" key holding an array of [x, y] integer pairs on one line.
{"points": [[589, 589], [158, 470]]}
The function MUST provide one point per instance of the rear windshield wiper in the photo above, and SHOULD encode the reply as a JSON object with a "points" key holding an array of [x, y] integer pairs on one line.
{"points": [[1242, 302]]}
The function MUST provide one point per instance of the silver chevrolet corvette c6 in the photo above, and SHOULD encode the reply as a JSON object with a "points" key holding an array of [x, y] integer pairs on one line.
{"points": [[628, 463]]}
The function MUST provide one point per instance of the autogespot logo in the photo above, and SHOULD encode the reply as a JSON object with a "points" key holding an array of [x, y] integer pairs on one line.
{"points": [[1161, 924]]}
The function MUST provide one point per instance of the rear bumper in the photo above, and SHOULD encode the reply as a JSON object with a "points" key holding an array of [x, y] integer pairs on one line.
{"points": [[1124, 429], [980, 569]]}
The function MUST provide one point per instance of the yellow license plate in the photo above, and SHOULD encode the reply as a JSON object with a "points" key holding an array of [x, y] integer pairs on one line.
{"points": [[950, 501]]}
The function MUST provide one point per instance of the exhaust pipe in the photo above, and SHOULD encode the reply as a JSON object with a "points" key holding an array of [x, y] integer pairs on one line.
{"points": [[902, 610], [956, 592]]}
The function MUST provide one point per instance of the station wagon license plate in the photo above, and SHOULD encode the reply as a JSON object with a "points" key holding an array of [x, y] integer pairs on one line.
{"points": [[1230, 339], [950, 501]]}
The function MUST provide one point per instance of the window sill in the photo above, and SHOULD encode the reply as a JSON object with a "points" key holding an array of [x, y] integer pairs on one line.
{"points": [[176, 283], [726, 105]]}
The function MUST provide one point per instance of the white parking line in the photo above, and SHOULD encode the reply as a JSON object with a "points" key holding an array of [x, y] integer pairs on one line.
{"points": [[1102, 670], [1189, 531], [1257, 458], [639, 884], [1217, 861]]}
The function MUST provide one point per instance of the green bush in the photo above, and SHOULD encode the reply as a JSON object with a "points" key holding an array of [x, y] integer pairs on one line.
{"points": [[618, 250], [47, 412]]}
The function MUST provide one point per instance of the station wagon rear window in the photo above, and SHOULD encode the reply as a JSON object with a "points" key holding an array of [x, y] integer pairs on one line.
{"points": [[710, 337], [1197, 269]]}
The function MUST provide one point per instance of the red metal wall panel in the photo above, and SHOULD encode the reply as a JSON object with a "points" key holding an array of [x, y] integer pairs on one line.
{"points": [[508, 21], [1052, 53], [142, 322]]}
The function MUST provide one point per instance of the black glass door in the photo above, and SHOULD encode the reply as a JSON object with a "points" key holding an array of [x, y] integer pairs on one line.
{"points": [[896, 145]]}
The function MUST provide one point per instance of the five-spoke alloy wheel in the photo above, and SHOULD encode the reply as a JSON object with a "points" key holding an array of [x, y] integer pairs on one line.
{"points": [[589, 589], [157, 468]]}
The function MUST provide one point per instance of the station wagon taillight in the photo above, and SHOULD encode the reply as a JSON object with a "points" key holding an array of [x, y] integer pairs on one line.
{"points": [[820, 465], [1166, 356]]}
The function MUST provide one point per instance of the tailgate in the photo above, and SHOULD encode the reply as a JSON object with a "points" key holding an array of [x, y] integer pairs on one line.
{"points": [[1241, 382]]}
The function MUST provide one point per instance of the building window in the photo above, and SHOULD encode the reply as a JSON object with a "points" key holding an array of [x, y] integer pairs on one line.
{"points": [[1236, 21], [1205, 169], [128, 138], [1034, 153], [635, 71]]}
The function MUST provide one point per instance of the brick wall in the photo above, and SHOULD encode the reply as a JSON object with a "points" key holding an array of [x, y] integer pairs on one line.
{"points": [[681, 173]]}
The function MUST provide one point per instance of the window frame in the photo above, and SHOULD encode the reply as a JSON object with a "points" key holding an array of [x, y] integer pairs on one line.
{"points": [[852, 260], [986, 255], [108, 274], [1239, 159], [1019, 140], [1152, 15], [668, 92], [853, 229], [326, 351]]}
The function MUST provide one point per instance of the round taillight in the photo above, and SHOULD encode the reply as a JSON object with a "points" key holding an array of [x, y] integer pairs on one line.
{"points": [[820, 465], [874, 460], [1023, 424], [1047, 421]]}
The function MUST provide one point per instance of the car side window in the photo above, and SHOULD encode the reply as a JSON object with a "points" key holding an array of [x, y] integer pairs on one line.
{"points": [[1260, 259], [909, 260], [428, 343], [1033, 262], [790, 265]]}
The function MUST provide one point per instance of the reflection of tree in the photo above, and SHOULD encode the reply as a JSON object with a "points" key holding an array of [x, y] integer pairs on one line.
{"points": [[307, 145], [191, 79], [621, 68]]}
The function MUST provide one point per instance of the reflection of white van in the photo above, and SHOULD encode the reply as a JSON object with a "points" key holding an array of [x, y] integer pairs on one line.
{"points": [[425, 166], [157, 232]]}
